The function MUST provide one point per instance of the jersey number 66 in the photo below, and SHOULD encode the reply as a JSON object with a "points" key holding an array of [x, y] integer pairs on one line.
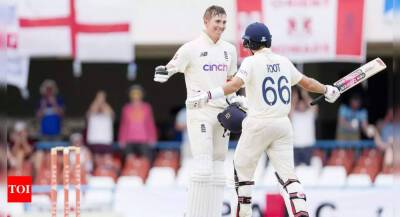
{"points": [[268, 86]]}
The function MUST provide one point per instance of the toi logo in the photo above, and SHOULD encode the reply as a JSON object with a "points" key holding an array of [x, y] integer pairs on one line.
{"points": [[19, 188]]}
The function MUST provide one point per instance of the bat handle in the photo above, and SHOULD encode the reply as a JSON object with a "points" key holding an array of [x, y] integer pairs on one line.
{"points": [[317, 100]]}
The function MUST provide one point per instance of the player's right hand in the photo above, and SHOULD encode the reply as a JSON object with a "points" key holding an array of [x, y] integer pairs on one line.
{"points": [[241, 100], [332, 93], [197, 102], [161, 74]]}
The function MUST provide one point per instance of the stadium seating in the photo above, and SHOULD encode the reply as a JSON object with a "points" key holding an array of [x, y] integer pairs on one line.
{"points": [[100, 192], [41, 200], [386, 180], [332, 176], [316, 163], [321, 154], [101, 182], [183, 176], [329, 167], [161, 177], [136, 166], [167, 158], [358, 180], [128, 182], [342, 157], [307, 175]]}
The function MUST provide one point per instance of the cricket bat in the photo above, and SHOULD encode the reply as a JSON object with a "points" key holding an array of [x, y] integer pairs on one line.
{"points": [[355, 77]]}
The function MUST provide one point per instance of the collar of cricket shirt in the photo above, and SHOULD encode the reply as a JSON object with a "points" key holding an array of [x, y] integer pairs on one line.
{"points": [[206, 37], [264, 50]]}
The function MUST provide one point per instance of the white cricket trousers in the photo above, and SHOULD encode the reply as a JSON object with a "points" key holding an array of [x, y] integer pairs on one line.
{"points": [[271, 135], [206, 135], [209, 145]]}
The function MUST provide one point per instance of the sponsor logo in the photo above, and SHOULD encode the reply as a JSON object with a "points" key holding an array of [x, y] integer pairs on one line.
{"points": [[350, 80], [215, 67], [203, 54], [203, 128]]}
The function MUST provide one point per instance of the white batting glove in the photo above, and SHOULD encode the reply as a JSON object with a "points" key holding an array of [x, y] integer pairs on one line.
{"points": [[241, 100], [331, 94], [198, 101], [162, 74]]}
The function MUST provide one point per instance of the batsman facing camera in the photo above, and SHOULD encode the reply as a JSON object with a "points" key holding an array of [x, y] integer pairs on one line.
{"points": [[206, 62]]}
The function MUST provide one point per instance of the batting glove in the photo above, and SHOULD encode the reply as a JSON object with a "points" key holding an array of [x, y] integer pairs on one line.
{"points": [[162, 74], [332, 93], [198, 101], [240, 100]]}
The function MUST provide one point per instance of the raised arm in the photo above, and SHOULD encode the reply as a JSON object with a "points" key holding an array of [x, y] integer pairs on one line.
{"points": [[312, 85], [331, 93], [177, 64]]}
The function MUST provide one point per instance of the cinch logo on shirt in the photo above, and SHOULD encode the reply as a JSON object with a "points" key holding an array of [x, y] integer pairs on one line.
{"points": [[19, 189], [215, 67]]}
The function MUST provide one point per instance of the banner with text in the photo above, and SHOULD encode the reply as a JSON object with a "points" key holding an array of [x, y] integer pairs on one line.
{"points": [[311, 30], [322, 202]]}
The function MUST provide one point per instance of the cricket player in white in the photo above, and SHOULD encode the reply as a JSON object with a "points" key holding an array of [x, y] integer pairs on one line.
{"points": [[207, 62], [268, 78]]}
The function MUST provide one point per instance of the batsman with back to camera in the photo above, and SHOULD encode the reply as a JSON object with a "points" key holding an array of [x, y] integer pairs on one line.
{"points": [[207, 62], [267, 78]]}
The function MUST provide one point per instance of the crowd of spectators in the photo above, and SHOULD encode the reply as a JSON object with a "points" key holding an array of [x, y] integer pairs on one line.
{"points": [[105, 151]]}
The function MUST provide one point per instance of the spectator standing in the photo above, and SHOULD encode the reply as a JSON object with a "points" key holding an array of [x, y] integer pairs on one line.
{"points": [[303, 118], [388, 136], [137, 131], [352, 119], [100, 118], [51, 109]]}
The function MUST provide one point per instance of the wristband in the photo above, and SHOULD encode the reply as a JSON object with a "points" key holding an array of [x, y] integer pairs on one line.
{"points": [[216, 93]]}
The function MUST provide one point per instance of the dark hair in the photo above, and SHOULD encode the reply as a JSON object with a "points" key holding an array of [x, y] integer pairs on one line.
{"points": [[136, 87], [356, 96], [213, 10]]}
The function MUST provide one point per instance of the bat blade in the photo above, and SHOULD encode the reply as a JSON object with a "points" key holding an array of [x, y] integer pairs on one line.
{"points": [[355, 77], [359, 75]]}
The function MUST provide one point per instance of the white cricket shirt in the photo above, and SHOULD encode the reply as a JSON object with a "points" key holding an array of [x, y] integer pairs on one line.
{"points": [[268, 78], [206, 65]]}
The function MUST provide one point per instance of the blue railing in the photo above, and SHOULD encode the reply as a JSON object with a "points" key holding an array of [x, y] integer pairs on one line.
{"points": [[176, 145]]}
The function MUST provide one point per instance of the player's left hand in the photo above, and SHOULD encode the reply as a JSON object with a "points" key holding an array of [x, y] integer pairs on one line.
{"points": [[198, 101], [162, 74], [241, 100], [332, 93]]}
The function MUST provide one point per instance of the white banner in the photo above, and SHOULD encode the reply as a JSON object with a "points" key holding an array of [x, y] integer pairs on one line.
{"points": [[88, 30], [322, 202], [318, 30], [300, 32], [15, 66]]}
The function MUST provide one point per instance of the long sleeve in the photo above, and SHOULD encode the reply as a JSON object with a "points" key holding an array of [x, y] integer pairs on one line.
{"points": [[150, 125]]}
